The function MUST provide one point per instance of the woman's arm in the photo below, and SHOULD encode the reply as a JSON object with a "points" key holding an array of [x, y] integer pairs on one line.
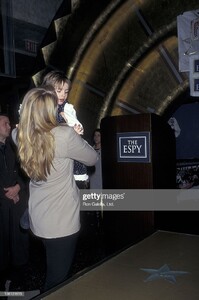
{"points": [[78, 149]]}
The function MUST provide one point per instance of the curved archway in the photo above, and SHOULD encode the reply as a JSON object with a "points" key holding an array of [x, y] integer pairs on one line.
{"points": [[128, 61]]}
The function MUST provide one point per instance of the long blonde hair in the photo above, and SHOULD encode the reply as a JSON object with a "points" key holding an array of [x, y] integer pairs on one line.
{"points": [[35, 140]]}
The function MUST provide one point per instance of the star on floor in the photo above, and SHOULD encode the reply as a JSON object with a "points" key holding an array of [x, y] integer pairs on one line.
{"points": [[163, 272]]}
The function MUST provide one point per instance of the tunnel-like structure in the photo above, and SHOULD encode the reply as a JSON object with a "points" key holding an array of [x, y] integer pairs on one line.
{"points": [[122, 58]]}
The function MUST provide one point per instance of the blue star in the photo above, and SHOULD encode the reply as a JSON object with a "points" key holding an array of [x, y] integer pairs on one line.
{"points": [[163, 272]]}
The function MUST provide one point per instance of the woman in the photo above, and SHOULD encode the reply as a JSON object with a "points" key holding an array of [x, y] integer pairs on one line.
{"points": [[96, 175], [47, 152]]}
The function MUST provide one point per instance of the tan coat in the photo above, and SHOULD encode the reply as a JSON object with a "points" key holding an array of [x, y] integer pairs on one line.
{"points": [[54, 205]]}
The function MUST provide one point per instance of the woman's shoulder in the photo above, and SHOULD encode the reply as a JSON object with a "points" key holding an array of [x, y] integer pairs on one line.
{"points": [[63, 131], [61, 128]]}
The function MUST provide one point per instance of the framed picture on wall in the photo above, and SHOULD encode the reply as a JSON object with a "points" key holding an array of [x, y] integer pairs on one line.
{"points": [[185, 123], [187, 174]]}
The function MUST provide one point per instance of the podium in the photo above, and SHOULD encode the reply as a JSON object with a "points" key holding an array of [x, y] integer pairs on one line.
{"points": [[138, 152], [157, 171]]}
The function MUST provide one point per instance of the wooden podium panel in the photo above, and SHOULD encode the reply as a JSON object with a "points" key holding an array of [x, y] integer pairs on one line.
{"points": [[159, 173], [122, 228]]}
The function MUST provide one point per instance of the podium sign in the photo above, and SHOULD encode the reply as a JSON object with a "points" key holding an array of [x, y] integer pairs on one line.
{"points": [[133, 147]]}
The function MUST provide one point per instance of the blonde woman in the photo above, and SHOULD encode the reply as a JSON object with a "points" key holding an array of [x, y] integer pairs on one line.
{"points": [[47, 151]]}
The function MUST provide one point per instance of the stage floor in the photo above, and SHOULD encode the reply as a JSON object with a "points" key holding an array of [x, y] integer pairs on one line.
{"points": [[163, 266]]}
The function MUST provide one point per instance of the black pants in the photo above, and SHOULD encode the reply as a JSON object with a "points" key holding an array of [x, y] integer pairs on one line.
{"points": [[82, 185], [59, 257], [14, 242]]}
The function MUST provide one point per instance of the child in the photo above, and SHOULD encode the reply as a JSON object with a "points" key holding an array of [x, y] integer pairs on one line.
{"points": [[67, 114]]}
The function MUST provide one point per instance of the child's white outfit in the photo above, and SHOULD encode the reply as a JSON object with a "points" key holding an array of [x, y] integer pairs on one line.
{"points": [[70, 115], [80, 171]]}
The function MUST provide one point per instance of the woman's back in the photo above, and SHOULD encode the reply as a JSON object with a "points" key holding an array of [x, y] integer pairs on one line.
{"points": [[54, 204]]}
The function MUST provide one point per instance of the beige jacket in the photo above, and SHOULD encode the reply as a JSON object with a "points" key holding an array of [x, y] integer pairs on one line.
{"points": [[54, 205]]}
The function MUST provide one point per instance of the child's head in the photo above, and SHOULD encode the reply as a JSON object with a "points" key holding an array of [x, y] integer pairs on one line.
{"points": [[60, 83]]}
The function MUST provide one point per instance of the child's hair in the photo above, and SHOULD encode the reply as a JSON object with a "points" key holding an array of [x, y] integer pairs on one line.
{"points": [[35, 140], [56, 78]]}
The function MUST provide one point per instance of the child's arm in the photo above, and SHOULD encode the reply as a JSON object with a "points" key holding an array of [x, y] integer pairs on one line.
{"points": [[69, 115]]}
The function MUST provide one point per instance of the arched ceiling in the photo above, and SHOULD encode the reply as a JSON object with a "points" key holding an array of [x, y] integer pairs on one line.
{"points": [[127, 62]]}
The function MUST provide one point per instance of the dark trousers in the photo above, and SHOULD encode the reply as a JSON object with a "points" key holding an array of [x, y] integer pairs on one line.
{"points": [[14, 242], [59, 257], [82, 185]]}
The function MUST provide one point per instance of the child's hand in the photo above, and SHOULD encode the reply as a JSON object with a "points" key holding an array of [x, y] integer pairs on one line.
{"points": [[79, 129]]}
